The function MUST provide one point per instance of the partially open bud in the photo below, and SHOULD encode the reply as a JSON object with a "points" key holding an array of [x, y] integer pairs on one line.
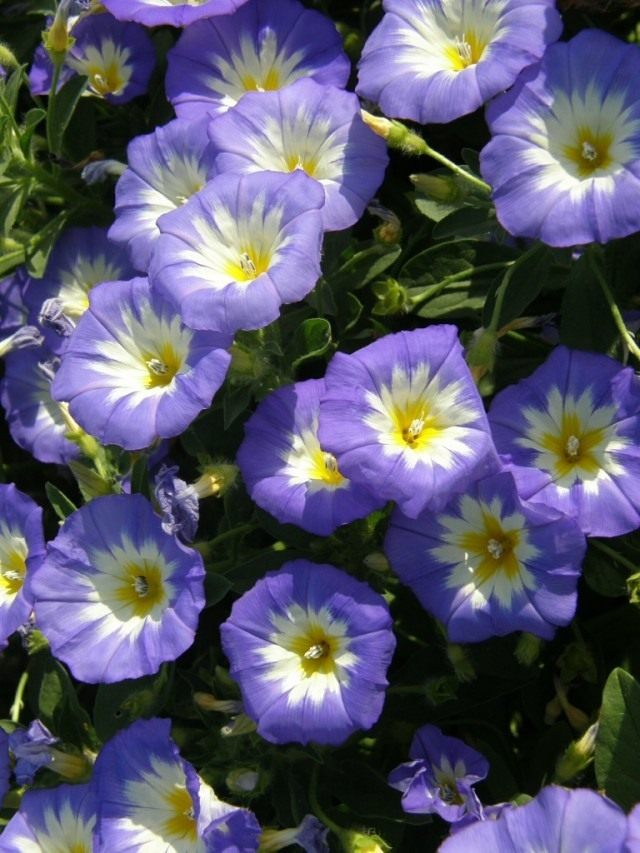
{"points": [[240, 725], [577, 757], [243, 780], [357, 841], [56, 39], [208, 702], [310, 834], [25, 336], [390, 232], [215, 480]]}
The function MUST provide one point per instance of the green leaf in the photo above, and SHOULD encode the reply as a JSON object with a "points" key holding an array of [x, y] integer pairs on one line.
{"points": [[519, 286], [31, 120], [586, 319], [364, 266], [433, 209], [216, 586], [312, 339], [61, 108], [61, 504], [469, 221], [10, 260], [40, 246], [53, 697], [140, 476], [603, 574], [618, 740], [10, 206], [118, 705], [10, 89], [236, 401]]}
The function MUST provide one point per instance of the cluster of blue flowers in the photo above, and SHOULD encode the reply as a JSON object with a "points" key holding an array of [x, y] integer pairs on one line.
{"points": [[220, 220]]}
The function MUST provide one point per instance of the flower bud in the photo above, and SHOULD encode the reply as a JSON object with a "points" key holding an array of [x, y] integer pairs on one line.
{"points": [[355, 841], [528, 648], [459, 660], [215, 480], [243, 780], [442, 188], [393, 297], [577, 757]]}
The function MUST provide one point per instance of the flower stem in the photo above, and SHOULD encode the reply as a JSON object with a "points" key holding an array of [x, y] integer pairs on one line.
{"points": [[317, 808], [627, 338], [18, 704], [435, 290]]}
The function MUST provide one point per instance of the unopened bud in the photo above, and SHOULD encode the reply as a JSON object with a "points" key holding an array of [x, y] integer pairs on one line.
{"points": [[459, 660], [247, 365], [440, 188], [377, 562], [390, 232], [208, 702], [393, 297], [25, 336], [76, 768], [633, 588], [396, 134], [240, 725], [242, 781], [7, 57], [528, 648]]}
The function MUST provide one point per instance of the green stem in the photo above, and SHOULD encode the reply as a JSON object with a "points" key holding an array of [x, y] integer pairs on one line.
{"points": [[478, 183], [627, 338], [317, 808], [435, 290], [53, 94], [624, 561], [18, 704]]}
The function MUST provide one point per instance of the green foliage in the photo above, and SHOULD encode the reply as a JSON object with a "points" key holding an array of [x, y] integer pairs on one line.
{"points": [[618, 739]]}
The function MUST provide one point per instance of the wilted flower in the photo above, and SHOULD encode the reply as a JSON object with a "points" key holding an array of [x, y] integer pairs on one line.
{"points": [[309, 647], [440, 776], [265, 45], [435, 60], [114, 580], [566, 144]]}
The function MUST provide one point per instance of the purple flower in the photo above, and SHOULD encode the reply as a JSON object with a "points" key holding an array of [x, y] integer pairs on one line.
{"points": [[61, 818], [239, 249], [115, 582], [132, 372], [265, 45], [81, 258], [31, 749], [150, 798], [309, 647], [404, 419], [175, 13], [571, 434], [440, 776], [166, 168], [21, 552], [306, 126], [37, 423], [5, 764], [178, 502], [633, 826], [557, 821], [564, 160], [13, 312], [489, 564], [287, 472], [116, 58], [435, 60]]}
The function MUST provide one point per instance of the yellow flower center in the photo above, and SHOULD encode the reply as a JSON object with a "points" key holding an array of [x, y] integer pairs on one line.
{"points": [[495, 547], [316, 651], [106, 80], [250, 264], [305, 162], [590, 152], [182, 823], [574, 446], [142, 587], [161, 366], [465, 51], [12, 569], [270, 81], [413, 426], [325, 468]]}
